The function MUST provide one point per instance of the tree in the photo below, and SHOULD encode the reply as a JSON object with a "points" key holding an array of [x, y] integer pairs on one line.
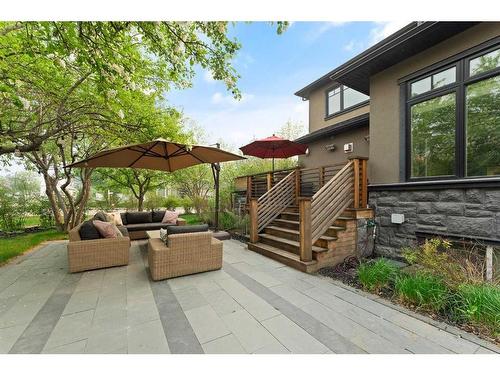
{"points": [[139, 182], [69, 89], [43, 63]]}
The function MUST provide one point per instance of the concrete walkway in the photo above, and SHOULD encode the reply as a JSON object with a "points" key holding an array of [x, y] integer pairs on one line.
{"points": [[253, 305]]}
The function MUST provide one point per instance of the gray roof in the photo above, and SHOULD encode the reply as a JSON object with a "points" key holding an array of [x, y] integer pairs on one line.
{"points": [[406, 42]]}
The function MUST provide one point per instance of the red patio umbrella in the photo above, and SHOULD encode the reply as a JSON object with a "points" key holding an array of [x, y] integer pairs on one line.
{"points": [[274, 147]]}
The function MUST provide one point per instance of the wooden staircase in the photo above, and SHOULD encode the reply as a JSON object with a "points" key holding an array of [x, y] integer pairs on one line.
{"points": [[281, 241], [283, 228]]}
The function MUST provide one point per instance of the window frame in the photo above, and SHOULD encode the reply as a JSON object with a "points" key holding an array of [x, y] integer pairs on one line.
{"points": [[342, 109], [459, 87]]}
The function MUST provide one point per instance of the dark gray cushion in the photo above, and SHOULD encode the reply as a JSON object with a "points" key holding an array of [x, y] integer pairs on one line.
{"points": [[124, 218], [158, 216], [88, 231], [123, 230], [147, 226], [139, 217], [100, 216], [178, 229]]}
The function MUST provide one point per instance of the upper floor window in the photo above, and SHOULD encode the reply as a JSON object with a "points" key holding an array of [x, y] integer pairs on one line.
{"points": [[342, 97], [453, 119]]}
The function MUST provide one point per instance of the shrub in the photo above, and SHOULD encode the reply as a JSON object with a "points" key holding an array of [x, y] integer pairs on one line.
{"points": [[187, 204], [478, 304], [45, 213], [423, 290], [228, 220], [172, 202], [454, 265], [376, 275]]}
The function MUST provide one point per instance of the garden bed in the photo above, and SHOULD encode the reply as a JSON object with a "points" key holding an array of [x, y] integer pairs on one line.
{"points": [[468, 304]]}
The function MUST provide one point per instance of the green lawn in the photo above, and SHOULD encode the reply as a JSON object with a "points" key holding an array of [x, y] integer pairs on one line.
{"points": [[32, 221], [11, 247], [191, 219]]}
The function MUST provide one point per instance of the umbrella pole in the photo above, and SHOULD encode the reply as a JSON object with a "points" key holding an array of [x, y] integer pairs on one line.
{"points": [[216, 171], [273, 165]]}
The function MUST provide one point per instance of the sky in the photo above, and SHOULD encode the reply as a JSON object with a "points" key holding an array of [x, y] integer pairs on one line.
{"points": [[272, 68]]}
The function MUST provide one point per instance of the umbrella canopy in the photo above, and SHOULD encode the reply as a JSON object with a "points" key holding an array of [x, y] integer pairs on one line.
{"points": [[162, 155], [273, 147], [159, 154]]}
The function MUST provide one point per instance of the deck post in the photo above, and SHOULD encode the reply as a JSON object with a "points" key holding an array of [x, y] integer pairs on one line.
{"points": [[356, 183], [269, 179], [305, 235], [297, 185], [254, 234], [321, 176], [364, 183], [249, 189]]}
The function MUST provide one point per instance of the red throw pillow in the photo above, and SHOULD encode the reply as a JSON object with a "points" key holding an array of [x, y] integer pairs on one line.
{"points": [[105, 229], [170, 217]]}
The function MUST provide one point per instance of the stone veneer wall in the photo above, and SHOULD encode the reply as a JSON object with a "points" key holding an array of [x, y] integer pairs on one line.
{"points": [[466, 212]]}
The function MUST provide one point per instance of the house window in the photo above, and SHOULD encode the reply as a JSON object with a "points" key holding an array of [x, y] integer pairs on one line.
{"points": [[453, 119], [341, 98]]}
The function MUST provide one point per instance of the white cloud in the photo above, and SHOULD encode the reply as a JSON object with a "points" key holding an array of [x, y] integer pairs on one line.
{"points": [[259, 118], [226, 99], [384, 29], [322, 28], [208, 77]]}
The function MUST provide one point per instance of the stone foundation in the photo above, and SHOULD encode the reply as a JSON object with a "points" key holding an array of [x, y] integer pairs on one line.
{"points": [[464, 212]]}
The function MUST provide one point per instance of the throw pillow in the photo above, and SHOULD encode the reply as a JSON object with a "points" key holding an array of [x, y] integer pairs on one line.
{"points": [[163, 235], [101, 216], [158, 216], [107, 230], [88, 231], [170, 217], [114, 217]]}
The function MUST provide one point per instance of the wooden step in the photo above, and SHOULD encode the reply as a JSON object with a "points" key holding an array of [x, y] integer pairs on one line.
{"points": [[289, 216], [283, 256], [294, 224], [294, 235], [287, 245]]}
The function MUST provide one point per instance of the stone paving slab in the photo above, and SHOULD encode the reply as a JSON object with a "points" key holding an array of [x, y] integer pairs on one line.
{"points": [[253, 305]]}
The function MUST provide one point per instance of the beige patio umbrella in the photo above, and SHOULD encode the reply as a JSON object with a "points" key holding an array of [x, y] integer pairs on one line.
{"points": [[162, 155]]}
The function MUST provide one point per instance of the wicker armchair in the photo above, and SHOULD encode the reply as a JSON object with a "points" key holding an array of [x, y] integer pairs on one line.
{"points": [[94, 254], [186, 254]]}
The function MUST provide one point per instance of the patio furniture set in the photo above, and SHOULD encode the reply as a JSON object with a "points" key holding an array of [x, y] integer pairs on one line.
{"points": [[174, 248]]}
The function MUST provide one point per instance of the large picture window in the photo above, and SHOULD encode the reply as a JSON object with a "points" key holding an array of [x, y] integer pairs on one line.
{"points": [[341, 98], [453, 118]]}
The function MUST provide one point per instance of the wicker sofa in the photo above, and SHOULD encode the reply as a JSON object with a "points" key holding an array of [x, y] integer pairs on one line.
{"points": [[94, 254], [137, 223], [187, 253]]}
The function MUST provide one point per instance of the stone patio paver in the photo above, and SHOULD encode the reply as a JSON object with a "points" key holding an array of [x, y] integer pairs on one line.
{"points": [[253, 305]]}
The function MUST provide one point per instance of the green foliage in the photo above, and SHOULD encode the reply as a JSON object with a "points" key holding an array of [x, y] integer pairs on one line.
{"points": [[187, 204], [19, 197], [13, 246], [192, 219], [153, 201], [172, 202], [45, 213], [438, 257], [377, 274], [422, 289], [228, 220], [479, 303]]}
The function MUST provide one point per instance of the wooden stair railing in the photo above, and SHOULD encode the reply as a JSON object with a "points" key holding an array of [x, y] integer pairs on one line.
{"points": [[270, 205], [348, 188]]}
